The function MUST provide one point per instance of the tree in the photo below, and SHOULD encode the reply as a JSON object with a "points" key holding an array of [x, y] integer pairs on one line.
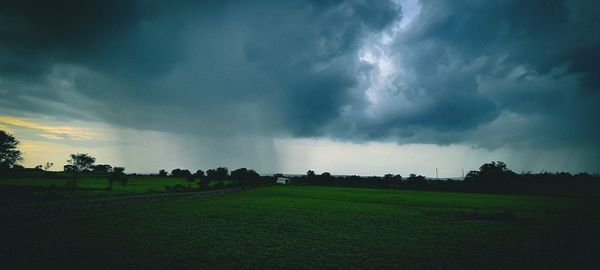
{"points": [[493, 172], [325, 178], [176, 172], [413, 178], [392, 180], [78, 164], [9, 155], [117, 174], [199, 174], [220, 173], [102, 169], [203, 181], [311, 176], [181, 173], [246, 177], [162, 173]]}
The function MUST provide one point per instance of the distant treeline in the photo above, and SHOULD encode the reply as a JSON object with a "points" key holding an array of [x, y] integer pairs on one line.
{"points": [[492, 177]]}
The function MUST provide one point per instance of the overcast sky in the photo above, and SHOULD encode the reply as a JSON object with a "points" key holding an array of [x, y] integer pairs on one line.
{"points": [[350, 87]]}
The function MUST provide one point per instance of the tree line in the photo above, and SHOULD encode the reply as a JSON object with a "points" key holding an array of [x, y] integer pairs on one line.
{"points": [[493, 177]]}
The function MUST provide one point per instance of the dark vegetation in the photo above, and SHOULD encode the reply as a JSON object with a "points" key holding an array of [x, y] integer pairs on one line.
{"points": [[493, 177], [307, 227], [52, 220]]}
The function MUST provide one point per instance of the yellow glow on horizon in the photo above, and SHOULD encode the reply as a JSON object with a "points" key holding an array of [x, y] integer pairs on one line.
{"points": [[52, 131], [40, 152], [51, 137]]}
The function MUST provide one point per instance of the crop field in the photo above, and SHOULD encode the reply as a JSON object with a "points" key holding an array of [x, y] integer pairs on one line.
{"points": [[93, 186], [302, 227]]}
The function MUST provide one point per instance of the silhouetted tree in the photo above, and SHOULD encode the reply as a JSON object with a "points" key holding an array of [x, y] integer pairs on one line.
{"points": [[392, 180], [9, 155], [78, 164], [102, 169], [239, 174], [220, 173], [246, 177], [162, 173], [493, 172], [181, 173], [176, 172], [199, 174], [117, 174], [325, 178], [416, 179]]}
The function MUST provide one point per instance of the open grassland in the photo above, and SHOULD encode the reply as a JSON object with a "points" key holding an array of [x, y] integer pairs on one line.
{"points": [[135, 184], [310, 227], [89, 187]]}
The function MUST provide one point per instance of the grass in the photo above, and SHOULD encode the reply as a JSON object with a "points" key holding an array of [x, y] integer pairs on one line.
{"points": [[95, 186], [311, 227]]}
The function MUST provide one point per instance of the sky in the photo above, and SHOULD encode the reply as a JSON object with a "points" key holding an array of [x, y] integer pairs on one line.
{"points": [[348, 87]]}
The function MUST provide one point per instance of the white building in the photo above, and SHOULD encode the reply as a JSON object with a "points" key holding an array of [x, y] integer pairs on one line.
{"points": [[283, 180]]}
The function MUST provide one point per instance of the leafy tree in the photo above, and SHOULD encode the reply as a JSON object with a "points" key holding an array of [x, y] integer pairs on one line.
{"points": [[493, 172], [181, 173], [162, 173], [391, 179], [9, 155], [239, 174], [245, 177], [199, 174], [69, 168], [413, 178], [325, 178], [117, 174], [220, 173], [78, 164], [102, 169], [176, 172]]}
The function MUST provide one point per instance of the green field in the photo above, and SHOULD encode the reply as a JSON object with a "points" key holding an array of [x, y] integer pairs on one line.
{"points": [[95, 186], [309, 227]]}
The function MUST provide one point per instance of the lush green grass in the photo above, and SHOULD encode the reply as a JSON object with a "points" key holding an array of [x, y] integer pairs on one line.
{"points": [[95, 186], [135, 184], [311, 227]]}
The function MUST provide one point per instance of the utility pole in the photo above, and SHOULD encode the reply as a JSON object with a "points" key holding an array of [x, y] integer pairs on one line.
{"points": [[436, 174], [463, 170]]}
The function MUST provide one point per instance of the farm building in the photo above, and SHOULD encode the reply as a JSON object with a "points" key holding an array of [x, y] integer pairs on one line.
{"points": [[283, 180]]}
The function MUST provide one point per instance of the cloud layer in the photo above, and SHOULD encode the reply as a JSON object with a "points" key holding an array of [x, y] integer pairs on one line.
{"points": [[521, 74]]}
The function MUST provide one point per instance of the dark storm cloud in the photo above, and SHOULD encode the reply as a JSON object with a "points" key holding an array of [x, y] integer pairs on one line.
{"points": [[467, 66], [214, 66], [466, 71]]}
